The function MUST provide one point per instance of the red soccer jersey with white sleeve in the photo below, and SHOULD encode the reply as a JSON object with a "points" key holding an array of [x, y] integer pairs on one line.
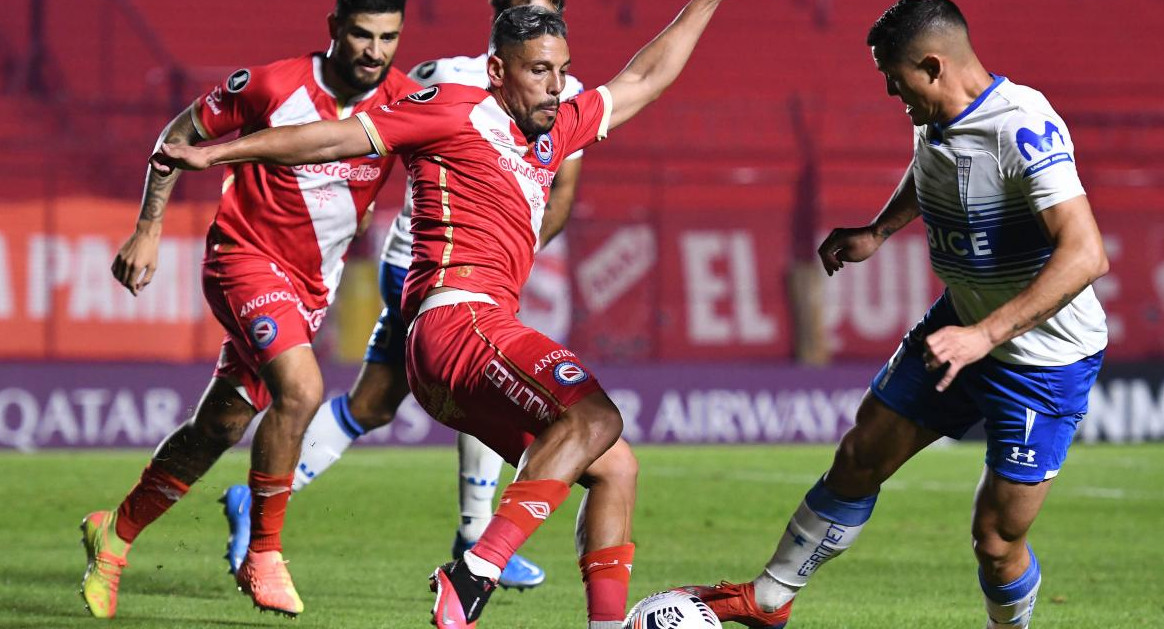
{"points": [[479, 189], [301, 217]]}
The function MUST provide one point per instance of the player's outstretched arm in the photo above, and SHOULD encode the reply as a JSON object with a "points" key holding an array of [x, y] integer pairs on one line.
{"points": [[855, 244], [312, 143], [136, 261], [658, 64], [1077, 260]]}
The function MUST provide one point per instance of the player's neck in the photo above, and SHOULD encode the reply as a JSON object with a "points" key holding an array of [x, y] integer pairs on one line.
{"points": [[970, 83], [504, 107]]}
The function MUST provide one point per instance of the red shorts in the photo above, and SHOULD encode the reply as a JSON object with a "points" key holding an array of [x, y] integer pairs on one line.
{"points": [[262, 314], [475, 368]]}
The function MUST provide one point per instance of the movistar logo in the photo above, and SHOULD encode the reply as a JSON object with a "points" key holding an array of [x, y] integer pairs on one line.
{"points": [[1040, 142]]}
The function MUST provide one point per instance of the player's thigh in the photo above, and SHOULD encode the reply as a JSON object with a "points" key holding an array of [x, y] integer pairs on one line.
{"points": [[1004, 510], [477, 369], [263, 318]]}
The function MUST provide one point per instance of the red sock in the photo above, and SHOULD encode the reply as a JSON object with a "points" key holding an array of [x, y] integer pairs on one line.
{"points": [[525, 505], [269, 496], [156, 492], [606, 573]]}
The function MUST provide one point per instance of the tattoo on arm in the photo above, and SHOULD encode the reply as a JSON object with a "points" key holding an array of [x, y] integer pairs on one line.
{"points": [[1040, 317]]}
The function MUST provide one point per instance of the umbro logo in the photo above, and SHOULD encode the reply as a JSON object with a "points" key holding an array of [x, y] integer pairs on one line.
{"points": [[538, 509]]}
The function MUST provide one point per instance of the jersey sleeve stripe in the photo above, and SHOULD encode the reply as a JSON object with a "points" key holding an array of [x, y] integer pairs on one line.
{"points": [[373, 134], [194, 117], [607, 106]]}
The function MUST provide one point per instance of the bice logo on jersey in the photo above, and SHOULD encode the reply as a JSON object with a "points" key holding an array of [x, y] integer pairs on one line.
{"points": [[568, 373], [263, 332], [544, 148]]}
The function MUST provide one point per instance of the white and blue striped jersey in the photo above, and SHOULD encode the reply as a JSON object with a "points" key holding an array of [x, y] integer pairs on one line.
{"points": [[981, 180], [397, 249]]}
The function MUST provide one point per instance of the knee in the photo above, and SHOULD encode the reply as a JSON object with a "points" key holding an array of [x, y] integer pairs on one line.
{"points": [[299, 399], [617, 466], [994, 547], [605, 426]]}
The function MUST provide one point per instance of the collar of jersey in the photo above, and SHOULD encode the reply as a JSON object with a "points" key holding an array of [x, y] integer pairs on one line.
{"points": [[317, 61], [939, 128]]}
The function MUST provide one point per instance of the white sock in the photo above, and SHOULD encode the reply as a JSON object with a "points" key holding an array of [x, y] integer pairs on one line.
{"points": [[480, 567], [808, 541], [604, 624], [1017, 614], [480, 468], [325, 441]]}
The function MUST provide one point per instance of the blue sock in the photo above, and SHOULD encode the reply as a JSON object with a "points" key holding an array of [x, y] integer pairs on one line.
{"points": [[343, 417], [1016, 589], [846, 511]]}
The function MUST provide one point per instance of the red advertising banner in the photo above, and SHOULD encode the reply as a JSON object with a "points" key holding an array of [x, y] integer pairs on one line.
{"points": [[58, 299]]}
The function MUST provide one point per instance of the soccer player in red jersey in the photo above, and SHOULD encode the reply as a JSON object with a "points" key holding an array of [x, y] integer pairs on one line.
{"points": [[482, 162], [274, 255]]}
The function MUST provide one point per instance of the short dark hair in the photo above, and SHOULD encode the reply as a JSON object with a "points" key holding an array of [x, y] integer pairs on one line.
{"points": [[516, 25], [907, 20], [346, 8], [501, 5]]}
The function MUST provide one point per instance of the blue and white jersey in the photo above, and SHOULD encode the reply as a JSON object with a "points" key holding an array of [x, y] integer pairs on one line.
{"points": [[981, 180], [397, 249]]}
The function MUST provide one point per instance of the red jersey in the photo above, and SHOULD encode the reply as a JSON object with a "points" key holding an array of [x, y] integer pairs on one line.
{"points": [[479, 189], [302, 218]]}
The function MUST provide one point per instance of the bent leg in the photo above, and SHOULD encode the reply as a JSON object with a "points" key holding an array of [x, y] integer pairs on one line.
{"points": [[833, 513], [1004, 511], [603, 533], [185, 456]]}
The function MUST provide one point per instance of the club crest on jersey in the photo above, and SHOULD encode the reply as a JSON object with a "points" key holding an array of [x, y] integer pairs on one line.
{"points": [[544, 148], [569, 373], [263, 332], [237, 81], [425, 95]]}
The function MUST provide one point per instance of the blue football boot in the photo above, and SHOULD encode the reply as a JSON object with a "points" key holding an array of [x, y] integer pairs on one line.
{"points": [[236, 506], [519, 573]]}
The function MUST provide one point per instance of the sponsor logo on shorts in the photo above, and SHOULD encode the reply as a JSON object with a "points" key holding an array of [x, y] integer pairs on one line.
{"points": [[544, 148], [517, 391], [265, 299], [263, 332], [340, 170], [1026, 459], [551, 358], [568, 373]]}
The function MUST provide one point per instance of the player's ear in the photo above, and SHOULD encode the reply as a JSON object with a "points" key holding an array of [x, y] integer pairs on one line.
{"points": [[933, 66], [495, 68], [333, 26]]}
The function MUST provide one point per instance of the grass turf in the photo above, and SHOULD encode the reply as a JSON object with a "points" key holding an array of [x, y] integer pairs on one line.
{"points": [[363, 539]]}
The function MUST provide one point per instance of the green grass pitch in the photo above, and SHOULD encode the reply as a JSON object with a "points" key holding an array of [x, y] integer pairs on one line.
{"points": [[363, 539]]}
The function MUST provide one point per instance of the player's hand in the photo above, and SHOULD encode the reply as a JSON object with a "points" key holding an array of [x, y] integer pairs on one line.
{"points": [[171, 157], [955, 347], [847, 244], [137, 260]]}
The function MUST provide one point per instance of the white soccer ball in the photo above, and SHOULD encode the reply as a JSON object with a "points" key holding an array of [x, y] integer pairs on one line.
{"points": [[673, 609]]}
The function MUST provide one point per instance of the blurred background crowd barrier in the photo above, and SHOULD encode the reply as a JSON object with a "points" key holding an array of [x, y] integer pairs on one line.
{"points": [[687, 275]]}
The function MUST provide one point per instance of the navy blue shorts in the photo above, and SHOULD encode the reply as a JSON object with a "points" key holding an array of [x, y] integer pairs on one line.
{"points": [[387, 343], [1030, 412]]}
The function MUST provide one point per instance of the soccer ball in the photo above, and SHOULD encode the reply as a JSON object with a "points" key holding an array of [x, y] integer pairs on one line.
{"points": [[673, 609]]}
